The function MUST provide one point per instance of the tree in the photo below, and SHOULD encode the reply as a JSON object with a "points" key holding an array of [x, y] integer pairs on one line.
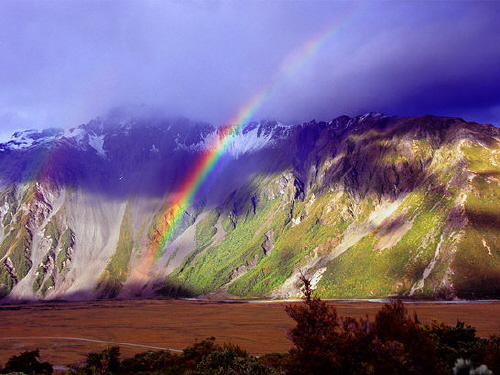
{"points": [[105, 362], [328, 344], [28, 363], [314, 335]]}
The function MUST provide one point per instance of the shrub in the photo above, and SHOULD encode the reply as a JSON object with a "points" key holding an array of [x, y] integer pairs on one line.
{"points": [[231, 360], [27, 362], [105, 362], [327, 343]]}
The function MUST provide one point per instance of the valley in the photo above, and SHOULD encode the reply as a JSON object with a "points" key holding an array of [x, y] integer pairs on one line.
{"points": [[257, 327]]}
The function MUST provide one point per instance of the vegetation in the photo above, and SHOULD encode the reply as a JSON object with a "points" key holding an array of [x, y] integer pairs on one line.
{"points": [[201, 358], [477, 260], [42, 270], [324, 343], [393, 343], [27, 363], [8, 196], [206, 229], [49, 283], [52, 232], [209, 268], [118, 267], [66, 241], [6, 282], [37, 282], [239, 261]]}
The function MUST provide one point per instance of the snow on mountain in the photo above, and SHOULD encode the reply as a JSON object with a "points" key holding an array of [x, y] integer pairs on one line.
{"points": [[77, 134], [251, 138], [97, 143], [187, 135], [25, 139]]}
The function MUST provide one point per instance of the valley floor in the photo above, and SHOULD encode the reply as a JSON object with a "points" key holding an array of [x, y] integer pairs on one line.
{"points": [[257, 327]]}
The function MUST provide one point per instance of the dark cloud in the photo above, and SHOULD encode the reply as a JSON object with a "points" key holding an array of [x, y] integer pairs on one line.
{"points": [[66, 62]]}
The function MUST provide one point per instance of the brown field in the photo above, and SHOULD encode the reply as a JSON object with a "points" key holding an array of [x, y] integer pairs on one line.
{"points": [[257, 327]]}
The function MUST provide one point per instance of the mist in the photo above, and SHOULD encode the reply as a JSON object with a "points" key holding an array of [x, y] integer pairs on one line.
{"points": [[64, 63]]}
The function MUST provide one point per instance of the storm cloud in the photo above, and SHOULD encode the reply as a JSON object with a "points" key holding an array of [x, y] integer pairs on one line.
{"points": [[63, 63]]}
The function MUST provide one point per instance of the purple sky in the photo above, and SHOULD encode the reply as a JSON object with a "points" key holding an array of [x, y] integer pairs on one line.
{"points": [[65, 62]]}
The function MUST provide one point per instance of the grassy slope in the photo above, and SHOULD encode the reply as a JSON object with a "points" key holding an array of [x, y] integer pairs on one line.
{"points": [[17, 244], [116, 271], [55, 261], [364, 271], [361, 270], [477, 260]]}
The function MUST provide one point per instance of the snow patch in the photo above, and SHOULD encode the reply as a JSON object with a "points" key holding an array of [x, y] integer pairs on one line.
{"points": [[240, 144], [97, 143], [249, 142], [28, 138]]}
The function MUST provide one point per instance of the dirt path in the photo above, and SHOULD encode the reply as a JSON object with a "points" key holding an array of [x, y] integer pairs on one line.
{"points": [[53, 338]]}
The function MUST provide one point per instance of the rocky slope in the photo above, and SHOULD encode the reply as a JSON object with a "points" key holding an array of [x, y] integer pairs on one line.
{"points": [[365, 206]]}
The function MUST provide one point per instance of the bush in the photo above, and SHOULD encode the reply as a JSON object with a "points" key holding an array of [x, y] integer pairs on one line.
{"points": [[231, 360], [105, 362], [27, 363], [327, 343]]}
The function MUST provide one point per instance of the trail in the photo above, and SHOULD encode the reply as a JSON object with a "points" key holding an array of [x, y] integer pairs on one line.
{"points": [[90, 340]]}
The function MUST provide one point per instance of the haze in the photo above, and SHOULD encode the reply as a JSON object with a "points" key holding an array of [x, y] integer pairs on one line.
{"points": [[63, 63]]}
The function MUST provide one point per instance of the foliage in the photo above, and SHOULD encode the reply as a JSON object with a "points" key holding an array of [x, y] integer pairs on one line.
{"points": [[492, 354], [231, 361], [117, 269], [42, 270], [207, 269], [476, 263], [170, 287], [52, 231], [364, 271], [392, 344], [151, 362], [37, 282], [206, 229], [105, 362], [27, 363], [201, 358], [67, 240], [49, 283]]}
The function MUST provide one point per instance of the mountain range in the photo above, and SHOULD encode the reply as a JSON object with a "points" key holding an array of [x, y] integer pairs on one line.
{"points": [[366, 207]]}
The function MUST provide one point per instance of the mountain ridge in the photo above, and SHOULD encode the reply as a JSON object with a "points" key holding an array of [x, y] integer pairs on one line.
{"points": [[365, 206]]}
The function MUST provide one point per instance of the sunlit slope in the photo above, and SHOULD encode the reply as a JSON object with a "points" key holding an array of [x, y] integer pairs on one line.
{"points": [[410, 207]]}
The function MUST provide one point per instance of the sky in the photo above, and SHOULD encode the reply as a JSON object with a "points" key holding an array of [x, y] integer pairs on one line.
{"points": [[63, 63]]}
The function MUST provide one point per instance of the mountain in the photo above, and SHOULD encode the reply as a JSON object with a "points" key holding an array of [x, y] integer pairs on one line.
{"points": [[366, 207]]}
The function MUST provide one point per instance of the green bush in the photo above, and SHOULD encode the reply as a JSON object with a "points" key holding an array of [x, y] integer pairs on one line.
{"points": [[49, 283], [27, 363]]}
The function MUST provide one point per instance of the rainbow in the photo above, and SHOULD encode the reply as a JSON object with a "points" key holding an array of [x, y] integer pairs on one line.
{"points": [[179, 201]]}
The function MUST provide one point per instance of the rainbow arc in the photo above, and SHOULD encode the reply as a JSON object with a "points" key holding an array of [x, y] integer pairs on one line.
{"points": [[210, 160]]}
